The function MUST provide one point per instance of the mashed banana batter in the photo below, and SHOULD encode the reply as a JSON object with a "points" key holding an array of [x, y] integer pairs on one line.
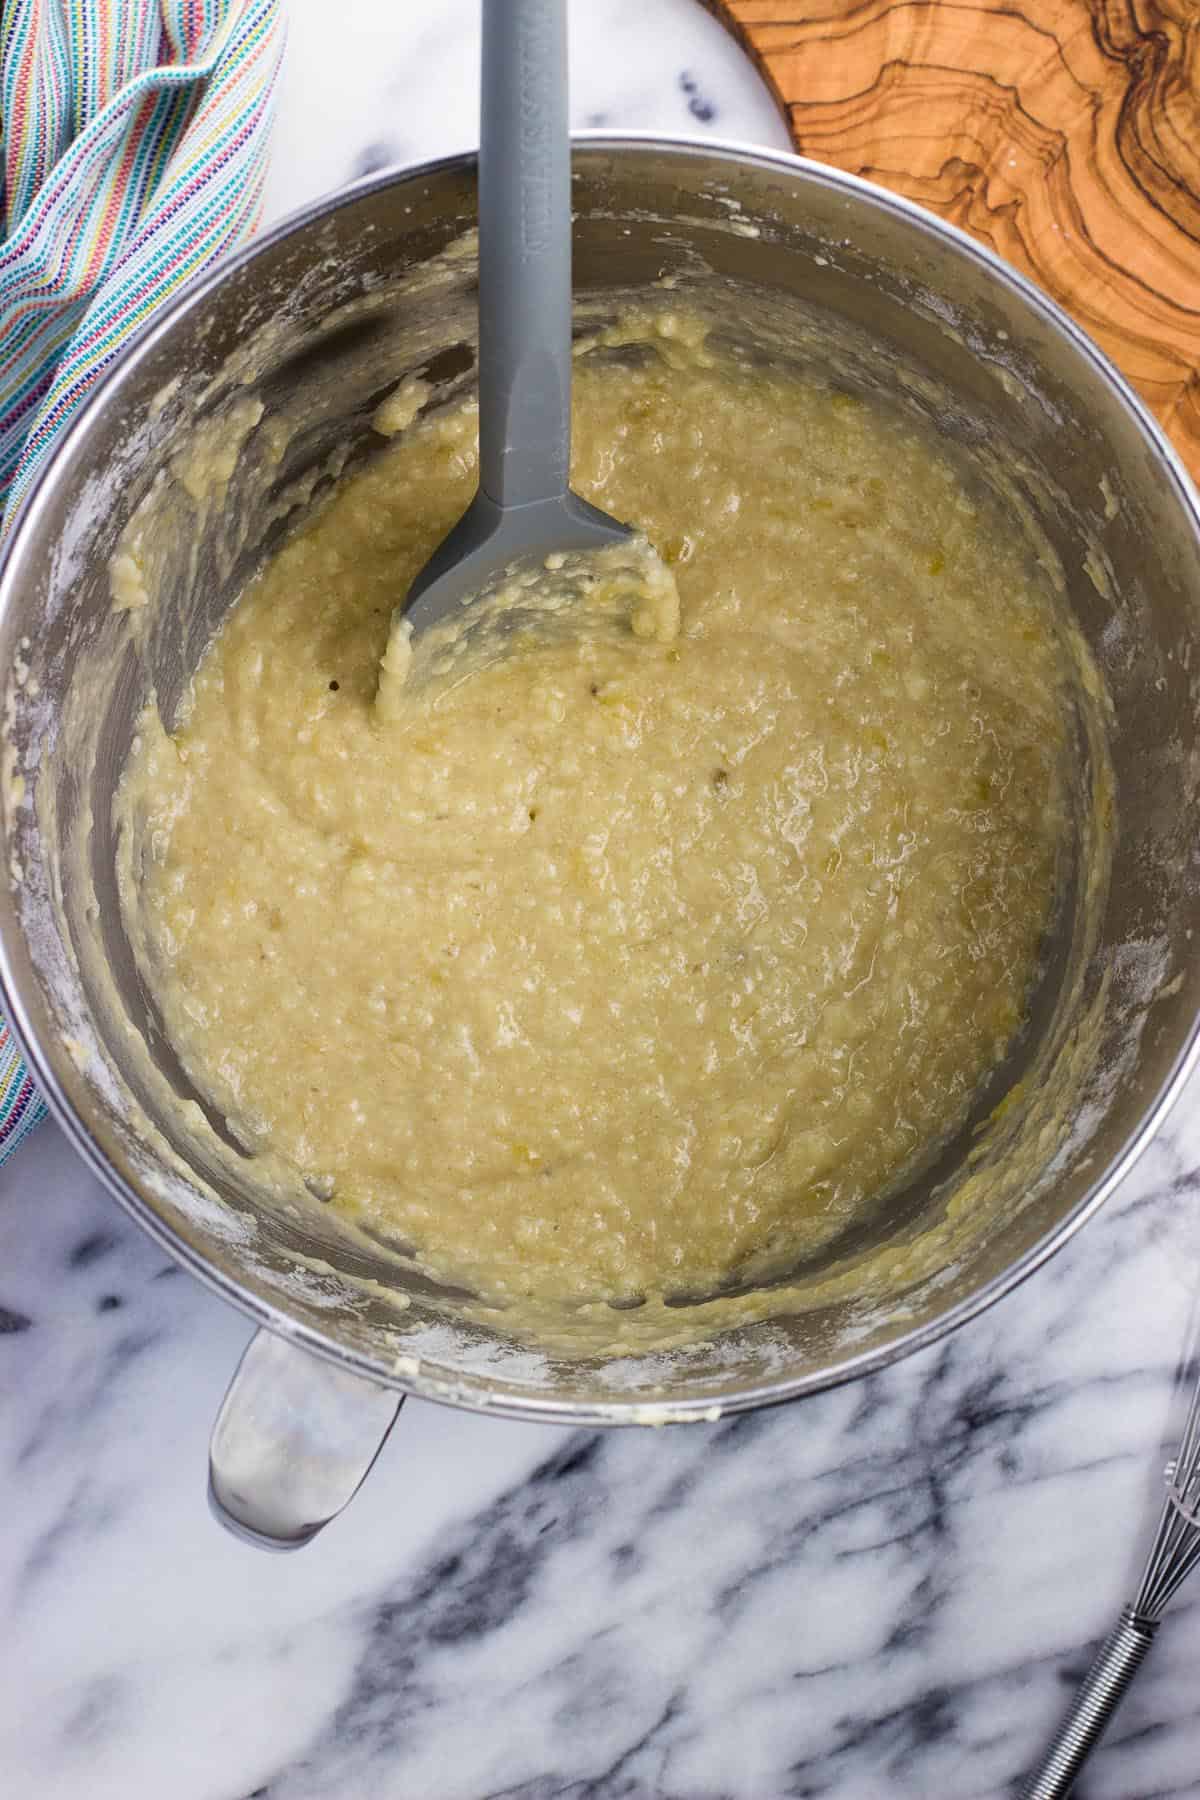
{"points": [[617, 966]]}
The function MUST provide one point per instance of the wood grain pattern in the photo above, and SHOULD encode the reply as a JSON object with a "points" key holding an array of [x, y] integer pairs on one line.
{"points": [[1063, 133]]}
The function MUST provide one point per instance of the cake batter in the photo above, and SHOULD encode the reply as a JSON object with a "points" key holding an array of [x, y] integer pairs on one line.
{"points": [[625, 963]]}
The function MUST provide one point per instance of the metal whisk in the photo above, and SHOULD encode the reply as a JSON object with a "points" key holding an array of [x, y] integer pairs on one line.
{"points": [[1175, 1553]]}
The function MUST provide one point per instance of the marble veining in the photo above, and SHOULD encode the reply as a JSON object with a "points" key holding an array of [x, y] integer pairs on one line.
{"points": [[883, 1592]]}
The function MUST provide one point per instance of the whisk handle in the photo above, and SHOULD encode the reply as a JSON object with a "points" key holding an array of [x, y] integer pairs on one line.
{"points": [[1103, 1689]]}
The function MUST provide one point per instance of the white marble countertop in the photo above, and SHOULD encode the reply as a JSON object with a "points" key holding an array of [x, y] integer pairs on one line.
{"points": [[879, 1593]]}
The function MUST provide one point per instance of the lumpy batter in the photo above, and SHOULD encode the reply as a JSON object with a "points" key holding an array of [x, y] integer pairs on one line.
{"points": [[614, 966]]}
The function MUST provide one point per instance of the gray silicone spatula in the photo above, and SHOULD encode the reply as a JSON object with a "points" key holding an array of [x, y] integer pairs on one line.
{"points": [[524, 509]]}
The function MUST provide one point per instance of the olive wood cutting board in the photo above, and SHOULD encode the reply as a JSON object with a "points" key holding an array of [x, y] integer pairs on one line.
{"points": [[1065, 134]]}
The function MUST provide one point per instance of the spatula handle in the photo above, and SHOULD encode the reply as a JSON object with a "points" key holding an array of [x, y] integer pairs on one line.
{"points": [[524, 253]]}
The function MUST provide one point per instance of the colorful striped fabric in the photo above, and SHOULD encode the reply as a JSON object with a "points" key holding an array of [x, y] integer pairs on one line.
{"points": [[135, 142]]}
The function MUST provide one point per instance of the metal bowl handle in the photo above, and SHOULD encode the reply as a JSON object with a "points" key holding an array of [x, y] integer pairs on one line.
{"points": [[292, 1443]]}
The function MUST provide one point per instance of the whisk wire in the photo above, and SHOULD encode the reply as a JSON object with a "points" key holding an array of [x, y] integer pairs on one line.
{"points": [[1176, 1548]]}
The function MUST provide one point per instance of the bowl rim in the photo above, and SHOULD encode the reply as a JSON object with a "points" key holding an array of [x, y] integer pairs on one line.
{"points": [[480, 1392]]}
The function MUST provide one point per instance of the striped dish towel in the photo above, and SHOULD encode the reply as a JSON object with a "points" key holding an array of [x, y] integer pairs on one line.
{"points": [[135, 143]]}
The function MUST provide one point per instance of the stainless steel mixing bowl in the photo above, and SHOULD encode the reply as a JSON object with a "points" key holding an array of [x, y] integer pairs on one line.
{"points": [[317, 321]]}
